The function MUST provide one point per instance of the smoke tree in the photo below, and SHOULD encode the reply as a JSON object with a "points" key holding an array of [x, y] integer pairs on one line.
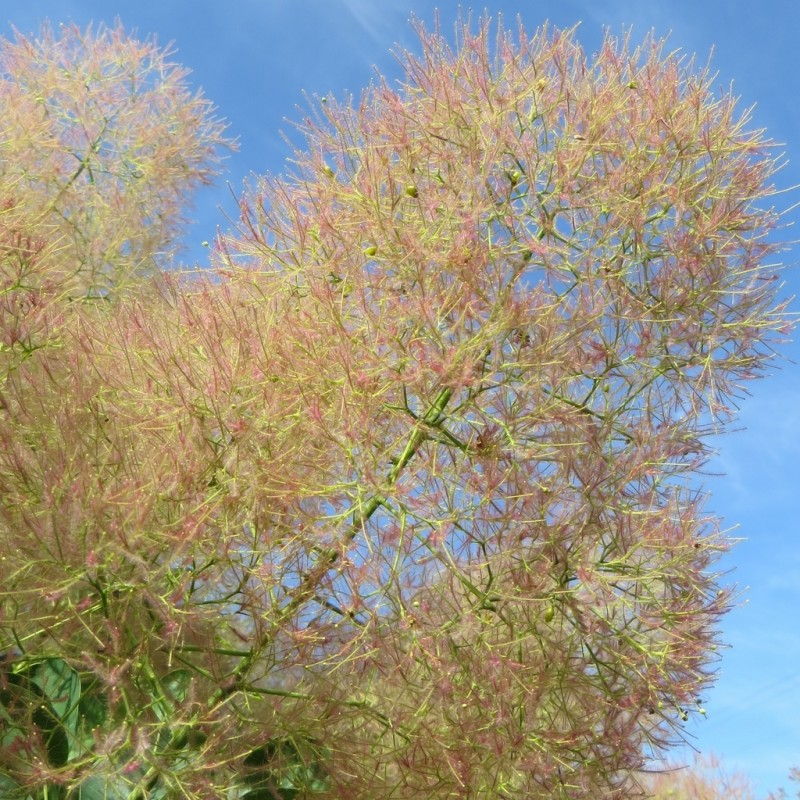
{"points": [[398, 502], [705, 779], [101, 146], [794, 777]]}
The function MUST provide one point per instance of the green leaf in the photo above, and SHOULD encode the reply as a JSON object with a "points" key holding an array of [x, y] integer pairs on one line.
{"points": [[110, 787], [93, 706], [176, 684], [285, 766], [169, 692], [9, 789], [46, 693], [96, 787], [9, 728], [16, 697], [115, 781], [60, 686]]}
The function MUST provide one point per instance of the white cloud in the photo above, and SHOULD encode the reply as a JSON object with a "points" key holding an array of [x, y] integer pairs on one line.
{"points": [[383, 22]]}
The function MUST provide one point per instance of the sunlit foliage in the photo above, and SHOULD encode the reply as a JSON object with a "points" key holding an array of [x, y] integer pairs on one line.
{"points": [[397, 503]]}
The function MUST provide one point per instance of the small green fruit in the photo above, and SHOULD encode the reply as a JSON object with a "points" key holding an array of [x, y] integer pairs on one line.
{"points": [[328, 171], [371, 250], [549, 614], [411, 190]]}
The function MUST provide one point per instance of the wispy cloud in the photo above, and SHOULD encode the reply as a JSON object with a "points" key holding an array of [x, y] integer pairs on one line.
{"points": [[384, 22]]}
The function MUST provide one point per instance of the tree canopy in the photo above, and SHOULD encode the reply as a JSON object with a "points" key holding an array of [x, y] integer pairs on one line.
{"points": [[397, 500]]}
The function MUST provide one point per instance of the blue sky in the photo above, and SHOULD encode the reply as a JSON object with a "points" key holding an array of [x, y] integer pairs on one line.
{"points": [[254, 58]]}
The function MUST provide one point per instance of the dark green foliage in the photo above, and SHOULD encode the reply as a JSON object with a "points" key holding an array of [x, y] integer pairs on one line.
{"points": [[285, 768], [47, 703]]}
